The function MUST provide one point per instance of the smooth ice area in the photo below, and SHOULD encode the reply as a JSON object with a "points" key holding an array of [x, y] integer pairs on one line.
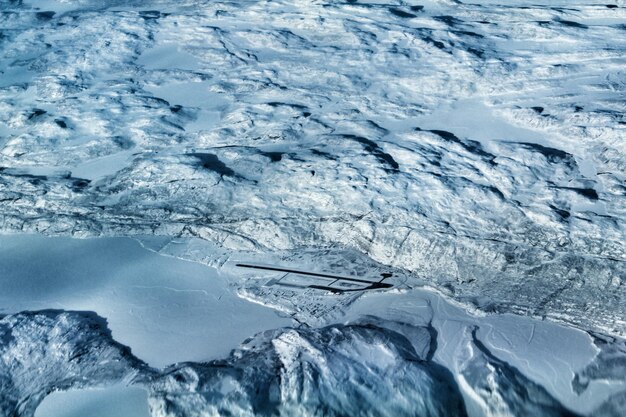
{"points": [[167, 310], [116, 401]]}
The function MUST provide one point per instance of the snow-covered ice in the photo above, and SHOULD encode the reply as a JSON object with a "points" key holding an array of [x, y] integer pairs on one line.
{"points": [[479, 144], [474, 153]]}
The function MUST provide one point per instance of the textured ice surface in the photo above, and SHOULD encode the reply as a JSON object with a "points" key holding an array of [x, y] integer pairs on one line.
{"points": [[480, 145], [391, 344], [369, 367], [333, 371], [477, 148], [549, 355], [44, 351]]}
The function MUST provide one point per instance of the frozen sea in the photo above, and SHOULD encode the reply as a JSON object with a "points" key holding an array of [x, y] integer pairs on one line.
{"points": [[165, 309]]}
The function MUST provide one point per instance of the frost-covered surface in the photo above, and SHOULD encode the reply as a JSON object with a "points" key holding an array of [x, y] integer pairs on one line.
{"points": [[334, 371], [347, 353], [476, 148], [500, 390], [371, 367], [480, 145], [44, 351]]}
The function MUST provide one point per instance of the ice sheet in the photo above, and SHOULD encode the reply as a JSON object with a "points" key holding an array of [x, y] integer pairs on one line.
{"points": [[115, 401]]}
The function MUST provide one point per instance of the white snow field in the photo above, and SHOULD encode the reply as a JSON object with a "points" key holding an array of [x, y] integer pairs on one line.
{"points": [[289, 207]]}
